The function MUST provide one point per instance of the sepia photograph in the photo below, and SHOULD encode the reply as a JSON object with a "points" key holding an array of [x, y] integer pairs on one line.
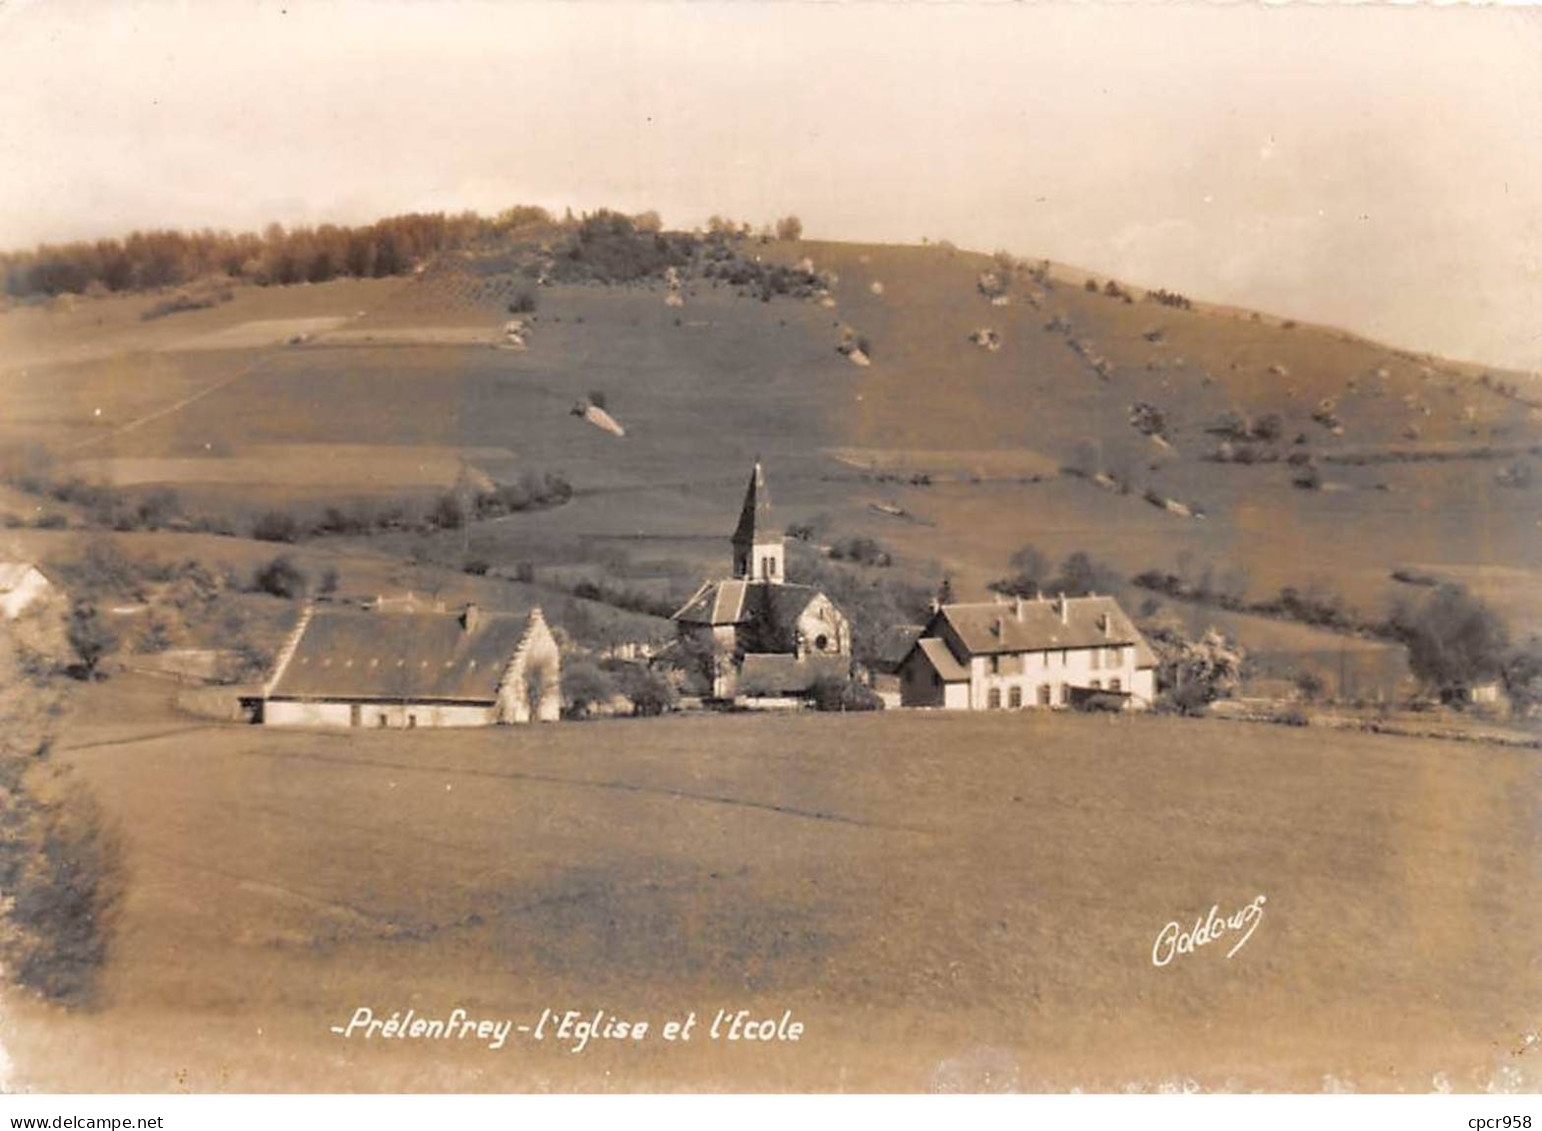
{"points": [[769, 548]]}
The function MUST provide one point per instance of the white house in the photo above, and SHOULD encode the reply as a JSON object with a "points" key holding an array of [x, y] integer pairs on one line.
{"points": [[1028, 653], [768, 637], [21, 584], [349, 667]]}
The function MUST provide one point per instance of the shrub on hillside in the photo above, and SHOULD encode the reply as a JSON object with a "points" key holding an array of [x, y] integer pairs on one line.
{"points": [[861, 550], [280, 577], [275, 526]]}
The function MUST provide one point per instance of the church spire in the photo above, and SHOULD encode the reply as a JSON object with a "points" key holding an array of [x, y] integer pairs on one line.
{"points": [[758, 552]]}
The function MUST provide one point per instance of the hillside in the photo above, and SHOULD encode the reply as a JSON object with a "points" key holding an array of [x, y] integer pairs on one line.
{"points": [[309, 396]]}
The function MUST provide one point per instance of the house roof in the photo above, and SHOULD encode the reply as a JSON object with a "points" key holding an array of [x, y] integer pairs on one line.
{"points": [[894, 645], [942, 660], [13, 573], [774, 673], [1038, 625], [357, 654]]}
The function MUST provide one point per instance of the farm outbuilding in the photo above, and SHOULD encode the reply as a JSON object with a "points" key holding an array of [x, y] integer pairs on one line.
{"points": [[349, 667]]}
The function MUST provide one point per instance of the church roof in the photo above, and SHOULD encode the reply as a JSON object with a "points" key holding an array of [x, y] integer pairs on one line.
{"points": [[738, 602], [359, 654], [755, 515]]}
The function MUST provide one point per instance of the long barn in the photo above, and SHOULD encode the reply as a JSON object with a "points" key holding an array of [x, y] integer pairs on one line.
{"points": [[349, 667]]}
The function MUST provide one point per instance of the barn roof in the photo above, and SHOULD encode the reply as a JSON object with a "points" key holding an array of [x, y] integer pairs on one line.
{"points": [[358, 654], [1039, 625]]}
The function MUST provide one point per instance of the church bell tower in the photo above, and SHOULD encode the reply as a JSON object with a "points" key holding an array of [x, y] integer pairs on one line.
{"points": [[759, 553]]}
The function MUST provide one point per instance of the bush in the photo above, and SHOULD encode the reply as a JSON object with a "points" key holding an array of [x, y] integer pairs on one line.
{"points": [[525, 301], [650, 693], [789, 228], [861, 550], [90, 638], [832, 693], [275, 526], [584, 687], [280, 577]]}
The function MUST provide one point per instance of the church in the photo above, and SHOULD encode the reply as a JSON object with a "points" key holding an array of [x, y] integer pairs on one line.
{"points": [[763, 638]]}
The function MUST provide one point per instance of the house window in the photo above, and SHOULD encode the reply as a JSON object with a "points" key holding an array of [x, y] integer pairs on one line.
{"points": [[1044, 695], [355, 715], [768, 567], [821, 642], [1064, 656], [412, 720], [1096, 684], [1115, 657], [1065, 694], [1115, 685], [381, 721], [995, 665], [1097, 659], [1015, 697], [993, 699]]}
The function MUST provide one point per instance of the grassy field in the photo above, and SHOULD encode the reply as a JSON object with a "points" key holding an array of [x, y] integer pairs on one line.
{"points": [[946, 902]]}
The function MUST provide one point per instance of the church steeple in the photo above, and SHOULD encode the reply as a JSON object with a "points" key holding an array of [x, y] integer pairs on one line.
{"points": [[758, 552]]}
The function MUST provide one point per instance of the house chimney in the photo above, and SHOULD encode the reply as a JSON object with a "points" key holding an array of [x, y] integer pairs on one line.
{"points": [[471, 618], [1065, 610], [935, 605], [998, 626], [1019, 609]]}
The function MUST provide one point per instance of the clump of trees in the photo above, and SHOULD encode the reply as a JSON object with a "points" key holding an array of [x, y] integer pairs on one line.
{"points": [[276, 256], [789, 228], [1079, 574], [1454, 640], [60, 864], [1169, 298], [609, 247], [1192, 674]]}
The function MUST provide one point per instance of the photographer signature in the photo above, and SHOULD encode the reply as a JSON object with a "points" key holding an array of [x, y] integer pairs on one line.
{"points": [[1174, 940]]}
